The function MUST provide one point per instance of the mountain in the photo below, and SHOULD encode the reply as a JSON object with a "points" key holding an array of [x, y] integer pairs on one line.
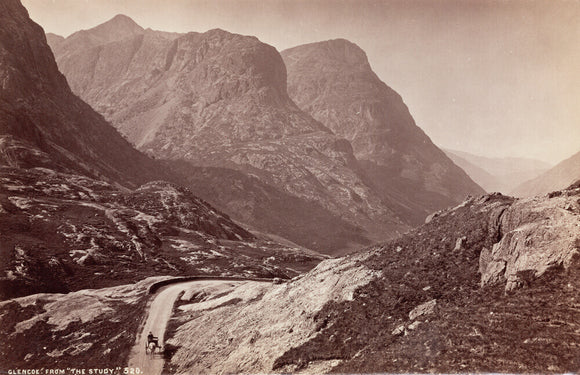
{"points": [[80, 207], [485, 179], [219, 101], [489, 286], [43, 123], [498, 174], [563, 174], [333, 81]]}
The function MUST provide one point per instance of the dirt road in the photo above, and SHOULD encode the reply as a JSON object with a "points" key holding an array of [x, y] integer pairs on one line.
{"points": [[159, 313]]}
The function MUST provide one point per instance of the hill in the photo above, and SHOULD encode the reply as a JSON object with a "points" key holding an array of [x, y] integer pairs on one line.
{"points": [[498, 174], [560, 176], [488, 286]]}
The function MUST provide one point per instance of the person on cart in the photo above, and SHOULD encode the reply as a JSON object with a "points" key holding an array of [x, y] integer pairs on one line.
{"points": [[152, 339]]}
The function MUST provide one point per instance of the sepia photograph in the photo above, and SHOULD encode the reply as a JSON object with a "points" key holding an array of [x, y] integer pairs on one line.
{"points": [[289, 187]]}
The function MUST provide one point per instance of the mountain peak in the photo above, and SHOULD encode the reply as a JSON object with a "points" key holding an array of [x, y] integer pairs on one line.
{"points": [[117, 28], [119, 24], [120, 21], [338, 50]]}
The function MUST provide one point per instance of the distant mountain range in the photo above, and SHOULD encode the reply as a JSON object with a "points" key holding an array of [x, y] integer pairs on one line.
{"points": [[498, 174], [560, 176], [219, 101]]}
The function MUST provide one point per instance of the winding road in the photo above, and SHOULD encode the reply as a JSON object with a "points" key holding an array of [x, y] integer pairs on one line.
{"points": [[160, 311]]}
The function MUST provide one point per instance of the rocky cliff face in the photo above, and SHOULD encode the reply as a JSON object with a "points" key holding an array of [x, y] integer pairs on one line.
{"points": [[71, 213], [334, 82], [556, 178], [488, 286], [219, 100]]}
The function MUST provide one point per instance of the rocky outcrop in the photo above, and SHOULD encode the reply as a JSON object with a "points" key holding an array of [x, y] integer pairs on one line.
{"points": [[286, 310], [420, 303], [219, 100], [334, 82], [556, 178], [537, 235], [99, 326]]}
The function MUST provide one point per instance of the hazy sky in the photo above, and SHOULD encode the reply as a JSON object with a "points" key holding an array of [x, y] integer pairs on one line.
{"points": [[494, 78]]}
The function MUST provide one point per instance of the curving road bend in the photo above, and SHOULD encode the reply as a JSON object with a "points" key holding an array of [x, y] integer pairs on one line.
{"points": [[160, 311]]}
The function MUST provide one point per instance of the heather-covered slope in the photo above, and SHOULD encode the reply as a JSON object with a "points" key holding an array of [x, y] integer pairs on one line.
{"points": [[334, 82], [219, 100], [488, 286], [558, 177]]}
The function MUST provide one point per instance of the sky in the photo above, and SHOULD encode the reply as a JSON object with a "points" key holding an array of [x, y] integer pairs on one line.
{"points": [[493, 78]]}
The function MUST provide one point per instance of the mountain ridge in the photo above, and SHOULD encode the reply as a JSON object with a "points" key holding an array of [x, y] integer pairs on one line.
{"points": [[83, 141], [558, 177], [498, 174]]}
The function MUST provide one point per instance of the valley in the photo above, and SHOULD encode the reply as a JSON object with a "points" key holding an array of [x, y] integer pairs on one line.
{"points": [[263, 210]]}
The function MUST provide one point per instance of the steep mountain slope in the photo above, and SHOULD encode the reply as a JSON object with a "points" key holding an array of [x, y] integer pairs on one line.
{"points": [[219, 100], [39, 112], [63, 227], [498, 174], [488, 286], [558, 177], [270, 209], [334, 82]]}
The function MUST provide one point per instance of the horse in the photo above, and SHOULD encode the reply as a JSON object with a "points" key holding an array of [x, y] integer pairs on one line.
{"points": [[151, 346]]}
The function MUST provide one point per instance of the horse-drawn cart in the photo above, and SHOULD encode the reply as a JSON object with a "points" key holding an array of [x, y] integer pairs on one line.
{"points": [[152, 345]]}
